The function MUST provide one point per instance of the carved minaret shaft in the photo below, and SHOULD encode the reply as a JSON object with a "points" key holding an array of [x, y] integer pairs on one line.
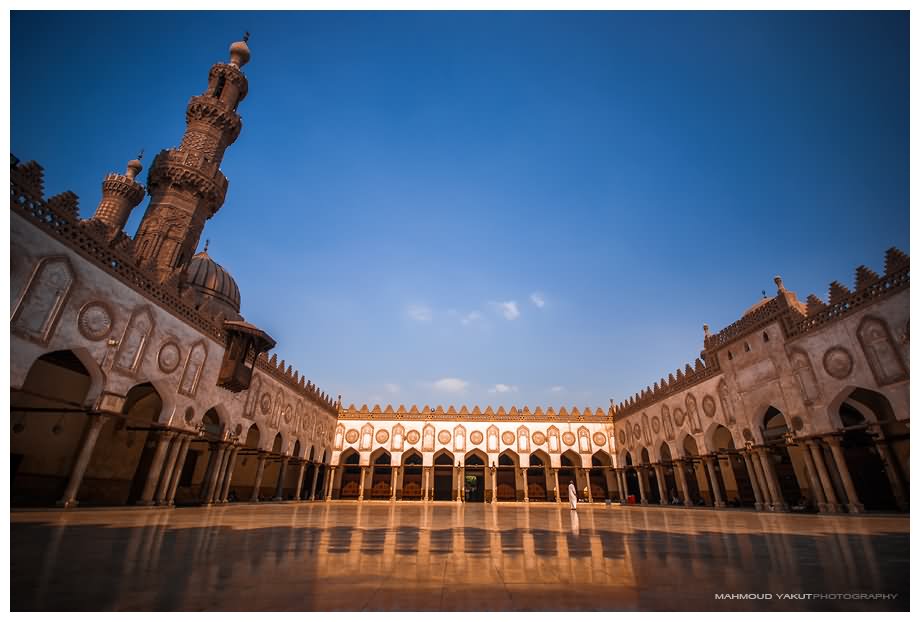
{"points": [[185, 184], [120, 195]]}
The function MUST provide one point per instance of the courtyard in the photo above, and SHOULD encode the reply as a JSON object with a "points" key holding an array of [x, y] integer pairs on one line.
{"points": [[389, 556]]}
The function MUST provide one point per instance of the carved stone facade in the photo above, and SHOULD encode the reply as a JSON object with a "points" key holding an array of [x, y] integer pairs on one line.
{"points": [[812, 406], [119, 358]]}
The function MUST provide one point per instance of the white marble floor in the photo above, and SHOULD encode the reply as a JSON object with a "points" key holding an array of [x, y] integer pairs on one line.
{"points": [[382, 556]]}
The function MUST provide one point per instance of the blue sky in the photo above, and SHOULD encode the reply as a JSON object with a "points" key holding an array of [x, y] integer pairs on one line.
{"points": [[499, 208]]}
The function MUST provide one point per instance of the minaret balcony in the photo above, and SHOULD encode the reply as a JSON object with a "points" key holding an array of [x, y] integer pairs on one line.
{"points": [[192, 170], [214, 112]]}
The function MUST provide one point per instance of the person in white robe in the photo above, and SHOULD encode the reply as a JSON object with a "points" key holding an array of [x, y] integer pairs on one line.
{"points": [[573, 495]]}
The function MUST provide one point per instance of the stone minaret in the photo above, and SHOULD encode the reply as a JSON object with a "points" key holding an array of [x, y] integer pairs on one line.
{"points": [[185, 184], [120, 195]]}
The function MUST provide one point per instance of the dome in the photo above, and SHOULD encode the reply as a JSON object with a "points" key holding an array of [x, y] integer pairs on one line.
{"points": [[757, 305], [209, 279]]}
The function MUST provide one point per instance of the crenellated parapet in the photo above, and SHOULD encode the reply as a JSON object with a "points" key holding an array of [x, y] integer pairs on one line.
{"points": [[680, 380], [451, 413], [869, 288], [290, 377]]}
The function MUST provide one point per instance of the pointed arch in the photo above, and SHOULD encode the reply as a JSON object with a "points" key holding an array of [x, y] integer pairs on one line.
{"points": [[572, 457]]}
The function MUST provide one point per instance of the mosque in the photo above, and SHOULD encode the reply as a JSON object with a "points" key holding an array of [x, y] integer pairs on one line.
{"points": [[136, 380]]}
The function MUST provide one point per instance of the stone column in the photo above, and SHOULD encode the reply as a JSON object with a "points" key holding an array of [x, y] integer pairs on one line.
{"points": [[827, 485], [212, 459], [853, 504], [156, 467], [279, 485], [778, 504], [755, 484], [168, 468], [313, 485], [215, 497], [714, 482], [216, 473], [361, 485], [621, 485], [299, 486], [682, 482], [424, 483], [260, 471], [177, 471], [556, 483], [662, 485], [228, 474], [331, 483], [524, 477], [394, 478], [813, 480], [494, 489], [90, 435], [642, 483], [884, 452], [588, 479]]}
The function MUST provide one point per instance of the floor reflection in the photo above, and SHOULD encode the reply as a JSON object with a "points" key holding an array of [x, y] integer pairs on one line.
{"points": [[381, 556]]}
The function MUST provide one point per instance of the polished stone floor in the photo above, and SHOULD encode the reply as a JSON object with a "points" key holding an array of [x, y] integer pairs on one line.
{"points": [[443, 556]]}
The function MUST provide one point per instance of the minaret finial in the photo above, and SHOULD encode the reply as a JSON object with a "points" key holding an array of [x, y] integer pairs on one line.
{"points": [[206, 243], [246, 37], [140, 155]]}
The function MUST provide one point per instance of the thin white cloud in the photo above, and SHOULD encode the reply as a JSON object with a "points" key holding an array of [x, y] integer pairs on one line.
{"points": [[508, 309], [391, 388], [470, 317], [557, 389], [419, 313], [538, 299], [503, 388], [450, 385]]}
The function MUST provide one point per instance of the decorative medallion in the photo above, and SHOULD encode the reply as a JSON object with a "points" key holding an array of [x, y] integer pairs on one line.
{"points": [[599, 438], [476, 437], [622, 437], [709, 406], [265, 404], [568, 438], [656, 424], [382, 436], [678, 417], [169, 357], [838, 362], [637, 431], [288, 413], [797, 424], [747, 434], [412, 437], [95, 321], [538, 438], [508, 438], [444, 437], [351, 436]]}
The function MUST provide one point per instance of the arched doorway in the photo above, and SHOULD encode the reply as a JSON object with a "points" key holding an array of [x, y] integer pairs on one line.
{"points": [[536, 477], [47, 423], [474, 477], [568, 472], [692, 470], [142, 407], [412, 475], [874, 461], [632, 479], [775, 435], [351, 475], [244, 475], [443, 476], [733, 474], [382, 475], [506, 477], [670, 478], [653, 493], [600, 468]]}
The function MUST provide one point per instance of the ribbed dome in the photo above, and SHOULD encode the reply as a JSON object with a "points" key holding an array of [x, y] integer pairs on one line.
{"points": [[207, 277]]}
